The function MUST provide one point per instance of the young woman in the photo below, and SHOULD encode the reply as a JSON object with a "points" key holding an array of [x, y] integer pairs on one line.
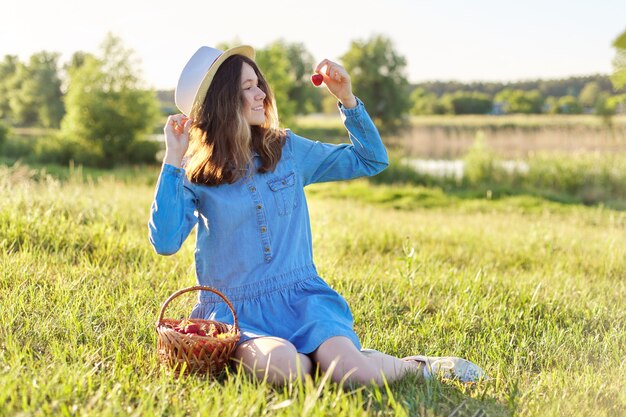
{"points": [[232, 173]]}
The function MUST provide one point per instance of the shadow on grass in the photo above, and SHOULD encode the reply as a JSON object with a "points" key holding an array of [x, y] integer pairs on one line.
{"points": [[419, 397], [410, 396]]}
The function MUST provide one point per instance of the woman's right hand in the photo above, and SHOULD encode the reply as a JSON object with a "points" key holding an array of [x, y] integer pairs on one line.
{"points": [[176, 132]]}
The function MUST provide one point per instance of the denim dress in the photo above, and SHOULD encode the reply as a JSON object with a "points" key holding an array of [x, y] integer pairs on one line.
{"points": [[253, 237]]}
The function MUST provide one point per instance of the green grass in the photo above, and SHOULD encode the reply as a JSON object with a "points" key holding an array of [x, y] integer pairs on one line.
{"points": [[531, 290]]}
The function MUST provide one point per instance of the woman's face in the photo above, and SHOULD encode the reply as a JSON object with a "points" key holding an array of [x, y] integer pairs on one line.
{"points": [[253, 96]]}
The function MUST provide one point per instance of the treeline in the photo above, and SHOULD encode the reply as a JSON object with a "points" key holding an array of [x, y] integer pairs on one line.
{"points": [[571, 86], [594, 94]]}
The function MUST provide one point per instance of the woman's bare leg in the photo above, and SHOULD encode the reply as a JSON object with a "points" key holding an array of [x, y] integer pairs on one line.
{"points": [[274, 359], [349, 365]]}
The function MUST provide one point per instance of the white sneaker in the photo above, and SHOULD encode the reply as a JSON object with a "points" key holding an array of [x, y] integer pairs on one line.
{"points": [[450, 368]]}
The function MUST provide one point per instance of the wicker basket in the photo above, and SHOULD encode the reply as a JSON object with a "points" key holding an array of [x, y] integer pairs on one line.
{"points": [[192, 353]]}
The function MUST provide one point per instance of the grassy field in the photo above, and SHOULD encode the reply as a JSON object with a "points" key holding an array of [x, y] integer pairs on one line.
{"points": [[530, 289]]}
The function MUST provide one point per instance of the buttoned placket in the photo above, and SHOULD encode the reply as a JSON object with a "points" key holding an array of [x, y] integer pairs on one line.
{"points": [[260, 218]]}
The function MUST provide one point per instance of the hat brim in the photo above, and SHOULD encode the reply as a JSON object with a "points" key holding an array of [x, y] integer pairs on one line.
{"points": [[244, 50]]}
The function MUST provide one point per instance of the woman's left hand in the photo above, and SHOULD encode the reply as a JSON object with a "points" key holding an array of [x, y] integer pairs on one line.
{"points": [[337, 81]]}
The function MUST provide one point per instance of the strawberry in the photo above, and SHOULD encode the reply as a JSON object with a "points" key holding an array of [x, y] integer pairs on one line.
{"points": [[317, 79], [192, 328]]}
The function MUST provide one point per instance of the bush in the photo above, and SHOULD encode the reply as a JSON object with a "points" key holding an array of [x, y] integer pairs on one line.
{"points": [[53, 149], [144, 151], [58, 149], [4, 133], [589, 177], [15, 148], [481, 164], [471, 103]]}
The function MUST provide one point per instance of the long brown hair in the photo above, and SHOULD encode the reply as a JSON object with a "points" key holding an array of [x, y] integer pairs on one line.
{"points": [[221, 140]]}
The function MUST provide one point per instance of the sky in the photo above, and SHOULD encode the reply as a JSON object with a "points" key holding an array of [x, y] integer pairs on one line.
{"points": [[443, 40]]}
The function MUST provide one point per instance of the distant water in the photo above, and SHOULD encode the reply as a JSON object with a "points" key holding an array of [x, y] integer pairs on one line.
{"points": [[455, 168]]}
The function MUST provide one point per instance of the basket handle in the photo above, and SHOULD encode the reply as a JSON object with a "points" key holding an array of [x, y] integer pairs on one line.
{"points": [[198, 288]]}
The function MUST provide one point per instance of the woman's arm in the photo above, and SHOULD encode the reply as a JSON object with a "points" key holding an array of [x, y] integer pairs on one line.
{"points": [[173, 211], [321, 162]]}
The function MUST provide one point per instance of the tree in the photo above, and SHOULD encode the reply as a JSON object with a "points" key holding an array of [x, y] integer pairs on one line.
{"points": [[589, 95], [107, 110], [619, 62], [519, 101], [378, 77], [569, 105], [423, 102], [33, 90], [8, 68], [605, 109], [21, 98], [44, 85], [471, 103], [4, 133], [616, 103], [552, 105], [444, 105], [76, 61], [305, 98]]}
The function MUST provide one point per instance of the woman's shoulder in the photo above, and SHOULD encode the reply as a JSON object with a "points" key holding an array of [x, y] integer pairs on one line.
{"points": [[293, 139], [288, 139], [295, 143]]}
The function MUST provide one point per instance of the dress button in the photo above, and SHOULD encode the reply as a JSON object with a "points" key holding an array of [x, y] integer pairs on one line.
{"points": [[253, 189], [267, 249], [259, 207], [263, 229]]}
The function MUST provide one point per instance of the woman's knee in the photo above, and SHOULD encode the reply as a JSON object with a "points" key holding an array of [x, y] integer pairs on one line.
{"points": [[347, 365], [273, 359]]}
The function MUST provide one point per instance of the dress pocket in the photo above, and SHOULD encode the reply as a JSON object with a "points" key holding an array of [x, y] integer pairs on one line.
{"points": [[284, 190]]}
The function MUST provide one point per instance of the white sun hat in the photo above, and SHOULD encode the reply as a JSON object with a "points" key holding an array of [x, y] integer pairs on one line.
{"points": [[196, 77]]}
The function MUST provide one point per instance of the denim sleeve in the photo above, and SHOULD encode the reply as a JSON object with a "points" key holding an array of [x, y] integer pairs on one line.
{"points": [[365, 156], [173, 211]]}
